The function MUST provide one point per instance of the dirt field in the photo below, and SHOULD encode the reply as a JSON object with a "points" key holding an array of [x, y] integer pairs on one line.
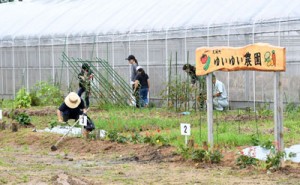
{"points": [[26, 158]]}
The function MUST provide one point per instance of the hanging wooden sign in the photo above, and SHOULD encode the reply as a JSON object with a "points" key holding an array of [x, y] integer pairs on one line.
{"points": [[254, 57]]}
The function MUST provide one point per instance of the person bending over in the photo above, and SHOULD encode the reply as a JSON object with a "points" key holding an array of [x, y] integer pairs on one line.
{"points": [[71, 108]]}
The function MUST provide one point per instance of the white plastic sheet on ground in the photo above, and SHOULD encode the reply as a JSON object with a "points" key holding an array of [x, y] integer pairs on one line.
{"points": [[261, 153], [63, 130]]}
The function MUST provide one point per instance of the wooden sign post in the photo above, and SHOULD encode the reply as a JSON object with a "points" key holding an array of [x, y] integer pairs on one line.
{"points": [[254, 57], [210, 111], [278, 111]]}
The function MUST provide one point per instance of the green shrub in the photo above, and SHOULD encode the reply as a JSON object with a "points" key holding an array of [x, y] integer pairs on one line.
{"points": [[23, 99], [53, 123], [244, 161], [159, 139], [35, 101], [122, 139], [44, 93], [267, 145], [149, 140], [177, 93], [184, 151], [23, 118], [136, 138], [112, 135], [198, 155], [254, 140], [274, 159], [215, 156]]}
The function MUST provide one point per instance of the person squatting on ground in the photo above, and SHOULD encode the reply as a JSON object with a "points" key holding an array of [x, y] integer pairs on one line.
{"points": [[141, 87], [191, 71], [85, 76], [72, 108], [220, 99]]}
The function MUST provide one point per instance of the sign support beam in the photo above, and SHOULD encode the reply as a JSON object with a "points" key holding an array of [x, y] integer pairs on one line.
{"points": [[210, 130], [278, 111]]}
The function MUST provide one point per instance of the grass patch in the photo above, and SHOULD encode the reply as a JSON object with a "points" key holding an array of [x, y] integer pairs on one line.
{"points": [[159, 121], [167, 123]]}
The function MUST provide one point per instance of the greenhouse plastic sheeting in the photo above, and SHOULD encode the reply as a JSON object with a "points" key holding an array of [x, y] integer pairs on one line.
{"points": [[261, 153], [43, 18]]}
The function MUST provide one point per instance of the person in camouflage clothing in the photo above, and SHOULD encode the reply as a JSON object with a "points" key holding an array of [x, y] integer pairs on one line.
{"points": [[85, 76], [191, 71]]}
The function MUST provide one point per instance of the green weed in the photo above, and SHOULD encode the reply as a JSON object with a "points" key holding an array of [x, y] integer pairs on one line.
{"points": [[274, 159], [44, 93], [23, 99], [23, 118], [243, 161]]}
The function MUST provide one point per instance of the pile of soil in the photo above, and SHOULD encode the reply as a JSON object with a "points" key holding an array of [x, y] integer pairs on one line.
{"points": [[44, 111]]}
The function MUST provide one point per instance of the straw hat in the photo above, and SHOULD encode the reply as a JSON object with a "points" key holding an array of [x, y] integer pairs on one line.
{"points": [[72, 100]]}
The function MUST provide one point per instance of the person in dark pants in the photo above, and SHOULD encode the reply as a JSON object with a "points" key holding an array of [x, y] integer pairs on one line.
{"points": [[142, 85], [191, 71], [71, 108], [85, 76]]}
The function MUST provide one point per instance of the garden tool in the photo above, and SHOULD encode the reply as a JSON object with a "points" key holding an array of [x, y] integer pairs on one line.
{"points": [[54, 147]]}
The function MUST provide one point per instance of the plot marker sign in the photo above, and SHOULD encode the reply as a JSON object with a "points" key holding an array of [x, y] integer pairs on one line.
{"points": [[83, 120], [185, 130]]}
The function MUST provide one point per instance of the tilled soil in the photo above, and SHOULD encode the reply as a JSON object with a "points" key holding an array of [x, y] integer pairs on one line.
{"points": [[26, 158]]}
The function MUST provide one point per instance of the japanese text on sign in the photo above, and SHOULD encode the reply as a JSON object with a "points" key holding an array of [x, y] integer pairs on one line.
{"points": [[257, 57]]}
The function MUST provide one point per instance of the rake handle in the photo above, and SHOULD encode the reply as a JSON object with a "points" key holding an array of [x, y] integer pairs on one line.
{"points": [[65, 134]]}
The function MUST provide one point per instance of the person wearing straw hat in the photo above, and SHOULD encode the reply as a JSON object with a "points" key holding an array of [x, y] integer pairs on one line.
{"points": [[71, 108], [85, 76]]}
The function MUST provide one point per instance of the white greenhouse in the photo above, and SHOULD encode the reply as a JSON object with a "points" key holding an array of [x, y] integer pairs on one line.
{"points": [[35, 33]]}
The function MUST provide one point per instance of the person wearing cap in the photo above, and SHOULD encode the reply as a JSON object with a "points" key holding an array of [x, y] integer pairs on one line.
{"points": [[85, 76], [134, 63], [142, 86], [191, 71], [71, 108], [220, 99]]}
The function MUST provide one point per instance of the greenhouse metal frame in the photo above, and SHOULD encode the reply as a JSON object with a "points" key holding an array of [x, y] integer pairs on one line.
{"points": [[30, 58]]}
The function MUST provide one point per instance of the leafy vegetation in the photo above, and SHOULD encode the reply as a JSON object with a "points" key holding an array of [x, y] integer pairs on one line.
{"points": [[179, 93], [243, 161], [200, 155], [53, 123], [274, 159], [23, 99], [291, 107], [44, 93], [23, 118]]}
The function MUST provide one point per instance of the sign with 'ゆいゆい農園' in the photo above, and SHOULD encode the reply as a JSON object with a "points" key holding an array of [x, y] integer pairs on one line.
{"points": [[255, 57]]}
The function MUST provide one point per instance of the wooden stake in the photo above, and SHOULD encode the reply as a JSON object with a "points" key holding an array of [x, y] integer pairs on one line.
{"points": [[278, 111], [210, 110]]}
